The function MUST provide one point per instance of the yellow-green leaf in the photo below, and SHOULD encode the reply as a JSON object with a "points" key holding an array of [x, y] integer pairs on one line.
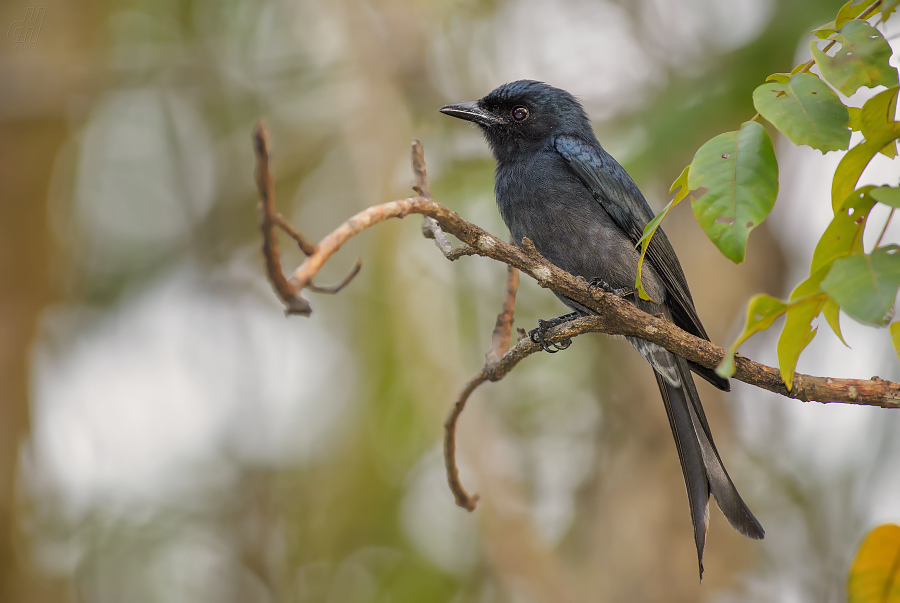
{"points": [[844, 234], [895, 337], [877, 124], [652, 225], [854, 123], [861, 60], [876, 120], [875, 573], [823, 31], [806, 110], [832, 313], [887, 7], [805, 304], [851, 10], [781, 78], [740, 174], [851, 168], [762, 310]]}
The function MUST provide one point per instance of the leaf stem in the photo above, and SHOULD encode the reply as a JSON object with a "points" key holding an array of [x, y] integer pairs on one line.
{"points": [[884, 230]]}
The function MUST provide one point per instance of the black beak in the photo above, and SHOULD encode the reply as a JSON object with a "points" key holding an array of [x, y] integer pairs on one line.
{"points": [[471, 112]]}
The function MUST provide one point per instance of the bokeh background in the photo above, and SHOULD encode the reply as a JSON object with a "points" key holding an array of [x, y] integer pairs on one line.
{"points": [[167, 435]]}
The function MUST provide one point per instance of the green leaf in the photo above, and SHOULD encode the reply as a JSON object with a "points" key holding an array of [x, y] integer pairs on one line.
{"points": [[761, 313], [877, 124], [740, 174], [865, 285], [875, 573], [807, 111], [844, 235], [805, 304], [652, 225], [862, 59], [851, 10], [823, 31], [876, 120], [887, 195], [851, 168], [895, 337], [854, 123], [832, 313], [781, 78]]}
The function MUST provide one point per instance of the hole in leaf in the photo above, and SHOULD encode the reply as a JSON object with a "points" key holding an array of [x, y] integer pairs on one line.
{"points": [[891, 250], [750, 224], [850, 211], [724, 220], [725, 155], [758, 316]]}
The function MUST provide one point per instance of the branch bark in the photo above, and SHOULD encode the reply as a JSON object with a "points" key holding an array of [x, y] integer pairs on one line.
{"points": [[615, 316]]}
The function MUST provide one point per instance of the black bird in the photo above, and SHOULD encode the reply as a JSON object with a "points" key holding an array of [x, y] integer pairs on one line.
{"points": [[556, 185]]}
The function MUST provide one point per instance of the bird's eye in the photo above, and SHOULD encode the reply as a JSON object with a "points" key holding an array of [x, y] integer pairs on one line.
{"points": [[520, 113]]}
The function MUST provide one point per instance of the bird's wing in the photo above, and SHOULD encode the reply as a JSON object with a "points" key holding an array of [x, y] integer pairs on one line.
{"points": [[620, 197], [617, 193]]}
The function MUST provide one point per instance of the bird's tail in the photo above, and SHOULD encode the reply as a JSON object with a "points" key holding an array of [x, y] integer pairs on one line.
{"points": [[703, 470]]}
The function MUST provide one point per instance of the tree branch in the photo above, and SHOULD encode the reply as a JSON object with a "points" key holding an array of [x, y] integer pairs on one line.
{"points": [[265, 182], [615, 316]]}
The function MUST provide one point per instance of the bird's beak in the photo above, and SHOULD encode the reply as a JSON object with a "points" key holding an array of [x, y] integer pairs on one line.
{"points": [[471, 112]]}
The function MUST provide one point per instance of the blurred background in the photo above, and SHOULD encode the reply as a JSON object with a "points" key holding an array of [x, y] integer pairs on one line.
{"points": [[167, 435]]}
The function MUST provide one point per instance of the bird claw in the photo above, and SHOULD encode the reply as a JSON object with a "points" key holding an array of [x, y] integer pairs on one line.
{"points": [[599, 283], [537, 335]]}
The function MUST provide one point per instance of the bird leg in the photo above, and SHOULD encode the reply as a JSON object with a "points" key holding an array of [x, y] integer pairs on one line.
{"points": [[537, 335], [602, 284]]}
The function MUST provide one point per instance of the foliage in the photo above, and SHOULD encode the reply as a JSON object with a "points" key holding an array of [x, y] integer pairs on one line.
{"points": [[739, 172]]}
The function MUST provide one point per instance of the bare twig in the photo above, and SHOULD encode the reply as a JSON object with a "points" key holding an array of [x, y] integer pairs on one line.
{"points": [[502, 334], [500, 339], [332, 289], [430, 228], [304, 244], [459, 493], [266, 183]]}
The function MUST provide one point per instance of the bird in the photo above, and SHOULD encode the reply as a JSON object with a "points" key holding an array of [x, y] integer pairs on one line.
{"points": [[556, 185]]}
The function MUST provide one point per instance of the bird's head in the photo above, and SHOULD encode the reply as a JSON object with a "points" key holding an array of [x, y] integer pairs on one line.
{"points": [[522, 116]]}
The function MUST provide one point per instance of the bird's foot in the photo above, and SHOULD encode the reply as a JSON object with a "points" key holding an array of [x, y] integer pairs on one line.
{"points": [[537, 335], [602, 284]]}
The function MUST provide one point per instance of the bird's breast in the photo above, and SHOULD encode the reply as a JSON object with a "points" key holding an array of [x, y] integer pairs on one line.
{"points": [[540, 198]]}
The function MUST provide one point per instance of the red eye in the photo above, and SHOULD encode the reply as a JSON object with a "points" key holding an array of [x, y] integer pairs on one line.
{"points": [[520, 113]]}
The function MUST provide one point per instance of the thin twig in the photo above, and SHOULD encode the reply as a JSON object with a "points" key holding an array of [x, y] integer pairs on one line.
{"points": [[463, 499], [502, 334], [266, 184], [305, 246], [430, 228], [332, 289], [500, 339], [884, 230]]}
